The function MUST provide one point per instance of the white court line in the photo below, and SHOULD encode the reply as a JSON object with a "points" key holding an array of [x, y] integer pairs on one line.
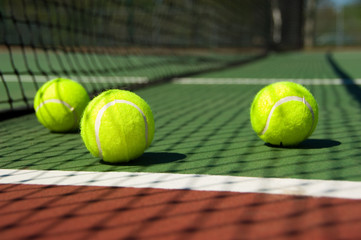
{"points": [[265, 81], [82, 79], [299, 187]]}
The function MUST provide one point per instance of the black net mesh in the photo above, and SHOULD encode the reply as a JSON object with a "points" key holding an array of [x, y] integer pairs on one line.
{"points": [[127, 43]]}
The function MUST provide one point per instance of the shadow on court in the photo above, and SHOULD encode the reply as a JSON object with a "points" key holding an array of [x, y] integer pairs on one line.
{"points": [[151, 158], [318, 143], [312, 144], [347, 80]]}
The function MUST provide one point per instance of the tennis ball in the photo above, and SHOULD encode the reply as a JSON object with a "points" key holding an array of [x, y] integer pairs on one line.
{"points": [[60, 103], [117, 126], [284, 114]]}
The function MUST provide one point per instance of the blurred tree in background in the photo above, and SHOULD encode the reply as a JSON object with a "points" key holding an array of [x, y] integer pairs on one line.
{"points": [[337, 23]]}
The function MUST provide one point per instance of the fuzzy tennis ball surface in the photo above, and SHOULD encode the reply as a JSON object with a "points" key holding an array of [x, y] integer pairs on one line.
{"points": [[284, 114], [60, 103], [117, 126]]}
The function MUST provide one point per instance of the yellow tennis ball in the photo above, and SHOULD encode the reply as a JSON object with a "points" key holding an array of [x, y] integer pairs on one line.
{"points": [[60, 103], [117, 126], [284, 114]]}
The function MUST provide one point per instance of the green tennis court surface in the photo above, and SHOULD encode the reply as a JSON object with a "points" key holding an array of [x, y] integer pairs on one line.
{"points": [[206, 173], [205, 129], [199, 64]]}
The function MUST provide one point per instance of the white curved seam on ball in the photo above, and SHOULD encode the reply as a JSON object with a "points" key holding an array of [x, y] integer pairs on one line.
{"points": [[60, 102], [55, 101], [284, 100], [100, 115]]}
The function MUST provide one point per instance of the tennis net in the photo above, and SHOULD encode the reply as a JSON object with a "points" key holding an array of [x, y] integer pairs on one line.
{"points": [[128, 43]]}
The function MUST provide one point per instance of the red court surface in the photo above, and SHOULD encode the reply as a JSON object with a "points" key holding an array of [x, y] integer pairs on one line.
{"points": [[82, 212]]}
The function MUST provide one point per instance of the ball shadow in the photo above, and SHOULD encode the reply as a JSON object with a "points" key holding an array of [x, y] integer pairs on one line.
{"points": [[311, 144], [70, 132], [150, 158]]}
